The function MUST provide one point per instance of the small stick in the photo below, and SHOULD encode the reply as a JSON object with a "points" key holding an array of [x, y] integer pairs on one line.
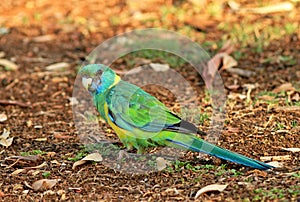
{"points": [[13, 102]]}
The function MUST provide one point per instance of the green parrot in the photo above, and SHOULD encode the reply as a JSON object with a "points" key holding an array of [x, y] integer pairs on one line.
{"points": [[140, 120]]}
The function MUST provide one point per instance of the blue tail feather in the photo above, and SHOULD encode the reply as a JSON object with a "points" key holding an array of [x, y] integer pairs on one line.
{"points": [[198, 145]]}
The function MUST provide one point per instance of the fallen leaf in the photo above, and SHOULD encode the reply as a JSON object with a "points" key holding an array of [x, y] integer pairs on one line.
{"points": [[161, 163], [42, 139], [8, 64], [296, 97], [39, 166], [234, 96], [2, 54], [25, 158], [214, 64], [44, 184], [18, 171], [228, 62], [241, 72], [266, 97], [275, 158], [38, 127], [210, 188], [278, 7], [132, 71], [233, 87], [3, 117], [159, 67], [294, 149], [78, 163], [234, 5], [232, 129], [288, 108], [25, 192], [276, 164], [29, 123], [43, 38], [51, 154], [298, 74], [4, 138], [59, 79], [73, 101], [57, 66], [212, 67], [59, 136], [91, 157], [284, 87]]}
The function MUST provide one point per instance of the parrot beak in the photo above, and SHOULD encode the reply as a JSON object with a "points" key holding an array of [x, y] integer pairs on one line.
{"points": [[86, 82]]}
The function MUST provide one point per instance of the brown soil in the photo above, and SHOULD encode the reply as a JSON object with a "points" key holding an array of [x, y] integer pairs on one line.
{"points": [[42, 117]]}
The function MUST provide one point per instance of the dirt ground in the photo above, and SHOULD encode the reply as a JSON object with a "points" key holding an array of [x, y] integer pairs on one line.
{"points": [[37, 103]]}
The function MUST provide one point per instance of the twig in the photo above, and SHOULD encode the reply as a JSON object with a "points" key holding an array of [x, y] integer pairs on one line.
{"points": [[13, 102]]}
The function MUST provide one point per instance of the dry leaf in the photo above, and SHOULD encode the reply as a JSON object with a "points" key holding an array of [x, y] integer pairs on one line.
{"points": [[44, 184], [296, 97], [39, 166], [57, 66], [161, 163], [132, 71], [91, 157], [279, 7], [288, 108], [234, 96], [276, 164], [3, 117], [2, 54], [266, 97], [210, 188], [44, 38], [78, 163], [241, 72], [8, 64], [228, 48], [232, 129], [234, 5], [284, 87], [25, 158], [233, 86], [59, 79], [213, 65], [29, 123], [42, 139], [25, 192], [275, 158], [73, 101], [159, 67], [18, 171], [291, 149], [4, 138], [228, 62]]}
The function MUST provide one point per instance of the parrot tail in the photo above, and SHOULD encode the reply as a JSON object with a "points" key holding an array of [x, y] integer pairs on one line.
{"points": [[196, 144]]}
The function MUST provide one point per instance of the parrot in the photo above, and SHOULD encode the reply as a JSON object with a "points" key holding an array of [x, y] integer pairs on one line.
{"points": [[140, 120]]}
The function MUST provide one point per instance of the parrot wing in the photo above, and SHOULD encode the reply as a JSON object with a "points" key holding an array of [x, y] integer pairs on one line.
{"points": [[131, 107]]}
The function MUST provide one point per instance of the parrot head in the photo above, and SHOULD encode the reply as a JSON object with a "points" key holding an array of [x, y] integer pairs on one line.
{"points": [[97, 78]]}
